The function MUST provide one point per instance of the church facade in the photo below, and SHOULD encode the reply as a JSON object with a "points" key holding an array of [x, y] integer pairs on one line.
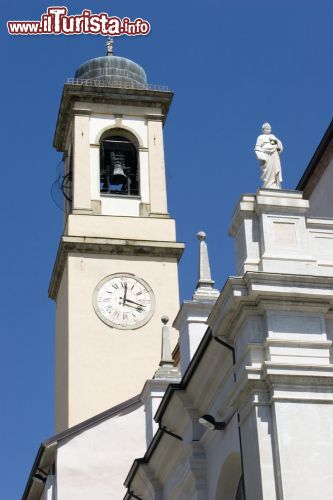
{"points": [[243, 407]]}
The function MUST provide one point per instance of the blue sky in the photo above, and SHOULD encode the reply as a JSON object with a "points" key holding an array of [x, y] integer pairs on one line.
{"points": [[232, 66]]}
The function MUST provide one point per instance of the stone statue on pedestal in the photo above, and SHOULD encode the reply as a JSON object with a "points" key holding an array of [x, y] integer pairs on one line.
{"points": [[268, 149]]}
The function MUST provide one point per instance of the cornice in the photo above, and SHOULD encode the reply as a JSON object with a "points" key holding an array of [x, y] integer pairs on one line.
{"points": [[105, 95], [270, 382], [108, 246], [192, 311], [259, 290]]}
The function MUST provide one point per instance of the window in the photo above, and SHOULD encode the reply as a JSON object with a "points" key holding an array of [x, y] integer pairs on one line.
{"points": [[119, 169]]}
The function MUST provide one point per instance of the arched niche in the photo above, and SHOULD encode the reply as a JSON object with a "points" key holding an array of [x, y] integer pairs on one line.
{"points": [[119, 163], [129, 132], [230, 483]]}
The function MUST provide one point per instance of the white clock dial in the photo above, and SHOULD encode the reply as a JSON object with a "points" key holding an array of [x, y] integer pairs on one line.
{"points": [[124, 301]]}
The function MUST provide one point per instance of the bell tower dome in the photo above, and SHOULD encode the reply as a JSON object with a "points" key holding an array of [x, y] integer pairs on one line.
{"points": [[115, 272]]}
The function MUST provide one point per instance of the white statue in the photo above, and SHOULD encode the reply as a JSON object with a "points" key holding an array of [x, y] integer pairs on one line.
{"points": [[268, 149]]}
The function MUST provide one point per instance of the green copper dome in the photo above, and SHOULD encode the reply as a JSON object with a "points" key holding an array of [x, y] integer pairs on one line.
{"points": [[111, 69]]}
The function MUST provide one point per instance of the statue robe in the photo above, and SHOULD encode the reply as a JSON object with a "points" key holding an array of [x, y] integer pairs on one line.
{"points": [[269, 158]]}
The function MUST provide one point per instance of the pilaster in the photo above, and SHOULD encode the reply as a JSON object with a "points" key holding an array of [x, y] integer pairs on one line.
{"points": [[81, 167], [158, 199]]}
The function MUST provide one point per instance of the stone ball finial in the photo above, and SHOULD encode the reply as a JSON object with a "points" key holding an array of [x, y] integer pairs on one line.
{"points": [[164, 319], [201, 235]]}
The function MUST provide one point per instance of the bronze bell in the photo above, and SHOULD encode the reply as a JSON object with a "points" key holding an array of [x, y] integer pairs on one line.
{"points": [[118, 175]]}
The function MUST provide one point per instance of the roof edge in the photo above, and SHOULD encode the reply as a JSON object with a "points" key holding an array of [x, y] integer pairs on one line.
{"points": [[305, 183], [51, 444]]}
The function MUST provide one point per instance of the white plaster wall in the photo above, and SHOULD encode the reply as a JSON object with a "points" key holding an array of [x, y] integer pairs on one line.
{"points": [[152, 403], [140, 228], [219, 445], [305, 440], [191, 324], [301, 326], [150, 431], [106, 365], [144, 176], [190, 338], [258, 451], [140, 127], [100, 123], [321, 199], [151, 397], [94, 173], [117, 205], [61, 358], [94, 464]]}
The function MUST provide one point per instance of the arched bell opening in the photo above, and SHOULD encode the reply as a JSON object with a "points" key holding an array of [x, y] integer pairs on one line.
{"points": [[119, 164]]}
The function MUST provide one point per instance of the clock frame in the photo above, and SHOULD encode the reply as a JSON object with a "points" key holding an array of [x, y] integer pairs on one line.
{"points": [[120, 314]]}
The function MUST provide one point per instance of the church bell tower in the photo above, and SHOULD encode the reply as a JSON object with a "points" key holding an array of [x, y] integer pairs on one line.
{"points": [[115, 272]]}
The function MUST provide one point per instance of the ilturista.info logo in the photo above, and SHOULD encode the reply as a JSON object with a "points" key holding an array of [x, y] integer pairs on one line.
{"points": [[56, 21]]}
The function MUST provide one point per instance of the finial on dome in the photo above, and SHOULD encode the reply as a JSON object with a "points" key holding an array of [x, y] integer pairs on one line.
{"points": [[109, 46], [204, 289]]}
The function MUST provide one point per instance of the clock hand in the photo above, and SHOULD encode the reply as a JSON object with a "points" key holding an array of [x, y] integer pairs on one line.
{"points": [[132, 302], [130, 305], [124, 300]]}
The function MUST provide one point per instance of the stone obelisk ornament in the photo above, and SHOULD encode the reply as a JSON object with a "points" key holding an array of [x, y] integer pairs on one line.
{"points": [[268, 149]]}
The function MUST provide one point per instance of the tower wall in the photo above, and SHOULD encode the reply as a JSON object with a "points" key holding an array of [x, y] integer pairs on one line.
{"points": [[99, 365]]}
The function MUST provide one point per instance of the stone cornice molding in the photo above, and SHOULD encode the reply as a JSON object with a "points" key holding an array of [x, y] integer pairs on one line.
{"points": [[244, 209], [254, 287], [149, 482], [108, 246], [260, 386], [192, 311], [266, 200], [188, 471], [257, 385], [81, 112], [176, 419], [145, 485], [190, 414], [169, 452], [154, 118], [155, 385], [106, 95]]}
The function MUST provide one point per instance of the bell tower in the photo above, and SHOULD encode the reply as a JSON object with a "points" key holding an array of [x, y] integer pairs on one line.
{"points": [[116, 271]]}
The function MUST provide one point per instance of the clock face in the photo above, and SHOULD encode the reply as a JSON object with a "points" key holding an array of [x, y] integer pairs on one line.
{"points": [[124, 301]]}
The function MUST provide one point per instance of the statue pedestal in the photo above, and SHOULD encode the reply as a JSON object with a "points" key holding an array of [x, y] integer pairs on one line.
{"points": [[271, 234]]}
